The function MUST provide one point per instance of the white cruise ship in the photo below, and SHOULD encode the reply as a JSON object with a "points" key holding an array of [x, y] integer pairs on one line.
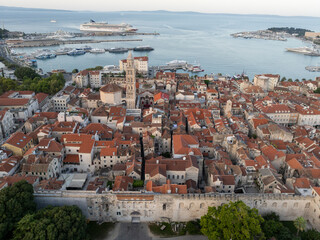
{"points": [[93, 26]]}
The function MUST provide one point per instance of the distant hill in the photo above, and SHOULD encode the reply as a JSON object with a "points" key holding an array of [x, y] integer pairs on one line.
{"points": [[6, 8]]}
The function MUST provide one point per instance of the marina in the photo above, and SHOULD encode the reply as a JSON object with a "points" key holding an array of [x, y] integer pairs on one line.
{"points": [[262, 34]]}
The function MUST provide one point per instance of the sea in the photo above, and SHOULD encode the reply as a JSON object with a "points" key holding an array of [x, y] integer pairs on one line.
{"points": [[197, 38]]}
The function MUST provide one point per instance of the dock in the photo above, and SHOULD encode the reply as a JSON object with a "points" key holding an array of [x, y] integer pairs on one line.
{"points": [[56, 42]]}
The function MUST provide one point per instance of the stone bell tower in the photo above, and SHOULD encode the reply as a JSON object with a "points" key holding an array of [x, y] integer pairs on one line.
{"points": [[131, 83]]}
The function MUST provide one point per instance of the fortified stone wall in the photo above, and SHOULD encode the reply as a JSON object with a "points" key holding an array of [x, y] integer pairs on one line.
{"points": [[148, 207]]}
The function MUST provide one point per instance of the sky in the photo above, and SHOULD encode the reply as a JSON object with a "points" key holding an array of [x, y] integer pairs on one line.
{"points": [[274, 7]]}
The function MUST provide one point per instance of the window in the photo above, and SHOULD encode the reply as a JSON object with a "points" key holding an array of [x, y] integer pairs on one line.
{"points": [[177, 176], [182, 176], [164, 207], [168, 176]]}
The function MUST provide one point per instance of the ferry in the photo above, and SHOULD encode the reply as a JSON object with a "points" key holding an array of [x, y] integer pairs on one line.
{"points": [[44, 56], [143, 49], [118, 50], [76, 52], [93, 26]]}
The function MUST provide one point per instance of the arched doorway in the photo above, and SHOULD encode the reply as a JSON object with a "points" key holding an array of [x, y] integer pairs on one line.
{"points": [[135, 217]]}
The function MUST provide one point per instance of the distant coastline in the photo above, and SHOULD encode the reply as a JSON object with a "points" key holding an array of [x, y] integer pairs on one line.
{"points": [[156, 11]]}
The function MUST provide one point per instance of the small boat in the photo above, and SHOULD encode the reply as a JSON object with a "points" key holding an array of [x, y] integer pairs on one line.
{"points": [[197, 69], [76, 52], [143, 49], [118, 50], [97, 50], [53, 21], [32, 63]]}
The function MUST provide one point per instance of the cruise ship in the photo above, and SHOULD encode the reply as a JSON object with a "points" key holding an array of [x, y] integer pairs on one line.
{"points": [[93, 26]]}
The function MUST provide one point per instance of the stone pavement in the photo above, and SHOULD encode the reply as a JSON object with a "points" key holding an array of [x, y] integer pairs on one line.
{"points": [[140, 231]]}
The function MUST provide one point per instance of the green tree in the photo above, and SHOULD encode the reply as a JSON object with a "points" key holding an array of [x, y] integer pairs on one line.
{"points": [[75, 70], [15, 202], [52, 223], [300, 224], [7, 84], [232, 221], [272, 227], [207, 82], [297, 80], [310, 234], [283, 79], [193, 227], [290, 80], [317, 91], [25, 72]]}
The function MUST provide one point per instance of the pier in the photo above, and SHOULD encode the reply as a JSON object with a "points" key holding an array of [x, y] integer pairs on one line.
{"points": [[56, 42]]}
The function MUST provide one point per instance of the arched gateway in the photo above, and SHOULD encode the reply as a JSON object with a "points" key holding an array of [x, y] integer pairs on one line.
{"points": [[135, 217]]}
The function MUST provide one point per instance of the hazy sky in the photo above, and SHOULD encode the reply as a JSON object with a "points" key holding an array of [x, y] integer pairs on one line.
{"points": [[277, 7]]}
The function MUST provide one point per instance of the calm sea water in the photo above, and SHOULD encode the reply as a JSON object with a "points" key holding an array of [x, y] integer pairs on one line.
{"points": [[194, 37]]}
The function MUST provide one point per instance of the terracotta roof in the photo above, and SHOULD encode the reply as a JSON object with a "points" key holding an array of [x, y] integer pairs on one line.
{"points": [[41, 96], [49, 115], [14, 101], [71, 158], [3, 113], [121, 183], [166, 188], [302, 183], [182, 144], [108, 152], [143, 58], [111, 87], [19, 140]]}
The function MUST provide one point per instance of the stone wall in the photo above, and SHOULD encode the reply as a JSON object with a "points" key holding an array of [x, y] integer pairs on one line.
{"points": [[124, 206]]}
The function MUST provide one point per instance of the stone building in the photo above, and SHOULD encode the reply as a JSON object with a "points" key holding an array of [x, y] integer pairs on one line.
{"points": [[131, 83]]}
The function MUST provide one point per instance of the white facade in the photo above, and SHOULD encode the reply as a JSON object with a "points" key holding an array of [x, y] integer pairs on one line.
{"points": [[60, 102], [140, 64], [6, 124]]}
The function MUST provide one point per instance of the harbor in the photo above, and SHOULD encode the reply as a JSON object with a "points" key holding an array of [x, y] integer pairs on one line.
{"points": [[262, 34]]}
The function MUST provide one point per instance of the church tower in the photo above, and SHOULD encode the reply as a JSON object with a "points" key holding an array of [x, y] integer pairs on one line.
{"points": [[131, 83]]}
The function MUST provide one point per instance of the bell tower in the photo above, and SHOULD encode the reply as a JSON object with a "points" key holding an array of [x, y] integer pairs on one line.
{"points": [[131, 83]]}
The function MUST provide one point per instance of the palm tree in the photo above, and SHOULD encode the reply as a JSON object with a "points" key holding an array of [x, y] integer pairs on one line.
{"points": [[300, 224]]}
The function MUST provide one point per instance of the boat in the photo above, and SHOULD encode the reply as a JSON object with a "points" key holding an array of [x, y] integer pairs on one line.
{"points": [[32, 63], [97, 50], [76, 52], [63, 51], [197, 69], [118, 50], [93, 26], [177, 63], [44, 56], [53, 21], [313, 68], [86, 48], [143, 49]]}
